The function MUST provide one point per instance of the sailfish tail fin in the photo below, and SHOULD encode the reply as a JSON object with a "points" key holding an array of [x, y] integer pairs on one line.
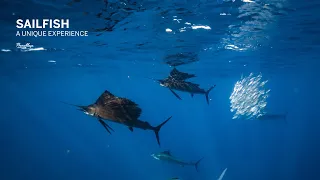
{"points": [[207, 93], [197, 163], [157, 129]]}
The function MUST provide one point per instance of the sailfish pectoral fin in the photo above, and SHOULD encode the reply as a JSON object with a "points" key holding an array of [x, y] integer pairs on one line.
{"points": [[175, 94], [106, 126], [109, 127]]}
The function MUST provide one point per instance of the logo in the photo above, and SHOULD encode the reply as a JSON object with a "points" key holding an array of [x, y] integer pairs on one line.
{"points": [[42, 23], [46, 27], [24, 47]]}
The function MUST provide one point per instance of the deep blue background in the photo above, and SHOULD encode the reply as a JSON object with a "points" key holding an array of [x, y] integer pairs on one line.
{"points": [[42, 138]]}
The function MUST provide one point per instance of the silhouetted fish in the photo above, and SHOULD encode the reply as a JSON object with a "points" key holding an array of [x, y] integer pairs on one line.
{"points": [[176, 81], [166, 156], [269, 116], [119, 110]]}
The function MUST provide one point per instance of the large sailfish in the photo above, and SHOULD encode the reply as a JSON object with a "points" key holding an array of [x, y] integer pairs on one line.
{"points": [[119, 110]]}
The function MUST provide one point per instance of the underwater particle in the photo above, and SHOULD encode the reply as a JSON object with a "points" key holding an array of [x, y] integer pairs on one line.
{"points": [[168, 30], [248, 1], [128, 77], [5, 50], [68, 151], [178, 20], [249, 97], [182, 29], [52, 61], [201, 27], [266, 6], [225, 14]]}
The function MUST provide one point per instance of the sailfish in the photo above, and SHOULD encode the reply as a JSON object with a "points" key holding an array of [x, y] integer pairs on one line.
{"points": [[168, 157], [178, 81], [119, 110]]}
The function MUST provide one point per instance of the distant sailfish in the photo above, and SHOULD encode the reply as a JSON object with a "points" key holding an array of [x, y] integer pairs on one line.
{"points": [[269, 116], [166, 156], [220, 177], [177, 81], [174, 178], [119, 110]]}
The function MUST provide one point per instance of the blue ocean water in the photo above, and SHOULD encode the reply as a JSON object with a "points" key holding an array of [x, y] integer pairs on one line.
{"points": [[129, 43]]}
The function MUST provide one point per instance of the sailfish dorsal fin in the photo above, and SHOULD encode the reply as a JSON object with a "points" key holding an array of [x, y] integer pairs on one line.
{"points": [[104, 98], [178, 75]]}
